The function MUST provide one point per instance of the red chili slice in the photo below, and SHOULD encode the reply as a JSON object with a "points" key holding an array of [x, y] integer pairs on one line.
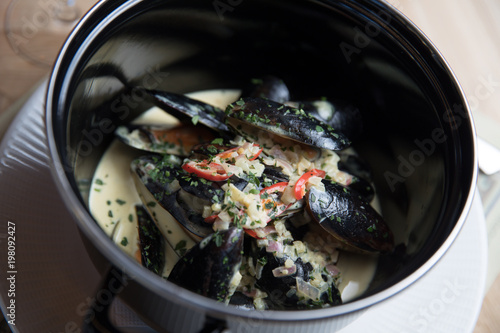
{"points": [[211, 218], [228, 153], [210, 171], [300, 185], [276, 188]]}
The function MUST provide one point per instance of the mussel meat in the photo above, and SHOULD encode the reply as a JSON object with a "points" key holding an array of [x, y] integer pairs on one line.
{"points": [[178, 140]]}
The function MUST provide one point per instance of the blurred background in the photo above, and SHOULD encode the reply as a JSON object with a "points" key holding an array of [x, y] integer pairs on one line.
{"points": [[466, 32]]}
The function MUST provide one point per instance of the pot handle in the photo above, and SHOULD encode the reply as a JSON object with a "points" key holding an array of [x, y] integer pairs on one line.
{"points": [[97, 316], [214, 325]]}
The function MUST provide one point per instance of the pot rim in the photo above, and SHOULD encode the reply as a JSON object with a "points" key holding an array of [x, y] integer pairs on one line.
{"points": [[167, 289]]}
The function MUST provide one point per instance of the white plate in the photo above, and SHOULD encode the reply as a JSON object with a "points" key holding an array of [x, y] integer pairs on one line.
{"points": [[55, 279], [446, 299]]}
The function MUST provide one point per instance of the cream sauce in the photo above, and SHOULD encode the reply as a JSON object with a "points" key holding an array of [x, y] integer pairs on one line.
{"points": [[113, 197]]}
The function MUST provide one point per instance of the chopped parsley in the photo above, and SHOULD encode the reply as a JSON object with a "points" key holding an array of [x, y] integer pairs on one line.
{"points": [[195, 119], [181, 247], [217, 141], [124, 241]]}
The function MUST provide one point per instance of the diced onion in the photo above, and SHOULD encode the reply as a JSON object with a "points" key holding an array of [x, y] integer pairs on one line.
{"points": [[251, 266], [332, 269], [258, 271], [207, 211], [220, 225], [307, 290], [274, 246], [224, 216], [289, 263], [286, 167], [276, 152], [231, 169], [284, 271], [263, 232], [262, 242]]}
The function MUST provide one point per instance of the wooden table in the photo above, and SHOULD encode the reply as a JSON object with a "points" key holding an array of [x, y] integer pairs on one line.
{"points": [[457, 27]]}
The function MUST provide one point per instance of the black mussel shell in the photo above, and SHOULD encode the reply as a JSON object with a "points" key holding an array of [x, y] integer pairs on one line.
{"points": [[156, 181], [201, 188], [242, 301], [349, 218], [187, 109], [268, 87], [363, 187], [209, 267], [275, 173], [249, 115]]}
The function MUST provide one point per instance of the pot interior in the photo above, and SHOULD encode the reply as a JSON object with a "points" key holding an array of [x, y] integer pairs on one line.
{"points": [[418, 136]]}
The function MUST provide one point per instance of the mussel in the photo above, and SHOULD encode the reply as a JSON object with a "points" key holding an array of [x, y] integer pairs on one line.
{"points": [[211, 268], [349, 218], [158, 181], [250, 115], [189, 110], [268, 87]]}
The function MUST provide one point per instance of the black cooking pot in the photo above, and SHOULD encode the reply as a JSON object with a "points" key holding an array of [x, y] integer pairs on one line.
{"points": [[419, 138]]}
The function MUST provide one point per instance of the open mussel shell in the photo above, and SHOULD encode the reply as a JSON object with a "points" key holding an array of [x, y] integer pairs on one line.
{"points": [[157, 183], [187, 109], [349, 218], [177, 140], [268, 87], [211, 268], [249, 115]]}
